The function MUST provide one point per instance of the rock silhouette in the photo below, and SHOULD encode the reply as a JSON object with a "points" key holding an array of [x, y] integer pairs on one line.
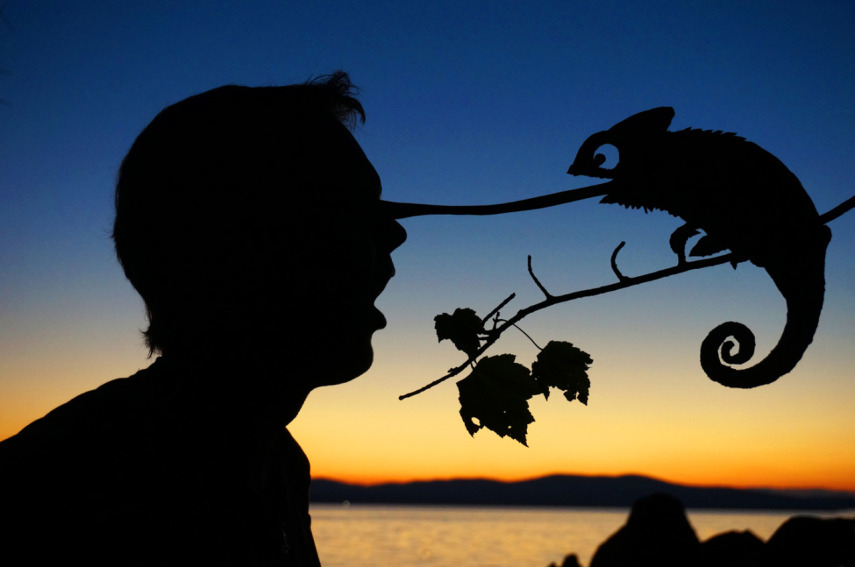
{"points": [[658, 534], [571, 560], [804, 540], [729, 548]]}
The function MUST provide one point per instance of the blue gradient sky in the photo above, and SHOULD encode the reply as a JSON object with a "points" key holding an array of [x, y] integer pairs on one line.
{"points": [[467, 102]]}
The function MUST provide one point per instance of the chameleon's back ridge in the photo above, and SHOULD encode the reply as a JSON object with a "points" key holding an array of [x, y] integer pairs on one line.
{"points": [[744, 200]]}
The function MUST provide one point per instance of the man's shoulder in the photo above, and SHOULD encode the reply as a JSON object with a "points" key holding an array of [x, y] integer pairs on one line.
{"points": [[97, 417]]}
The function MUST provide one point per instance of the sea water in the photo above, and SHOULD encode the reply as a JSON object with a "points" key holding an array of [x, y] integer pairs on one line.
{"points": [[381, 536]]}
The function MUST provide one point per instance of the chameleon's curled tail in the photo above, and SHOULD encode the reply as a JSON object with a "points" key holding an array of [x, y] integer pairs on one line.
{"points": [[801, 280]]}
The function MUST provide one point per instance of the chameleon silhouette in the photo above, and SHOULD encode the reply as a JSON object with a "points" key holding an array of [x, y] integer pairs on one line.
{"points": [[746, 201]]}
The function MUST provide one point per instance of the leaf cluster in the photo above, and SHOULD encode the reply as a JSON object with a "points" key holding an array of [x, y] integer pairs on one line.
{"points": [[495, 394], [462, 328]]}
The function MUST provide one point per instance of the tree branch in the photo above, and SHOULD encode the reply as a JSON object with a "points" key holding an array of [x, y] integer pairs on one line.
{"points": [[499, 306], [552, 300], [623, 283]]}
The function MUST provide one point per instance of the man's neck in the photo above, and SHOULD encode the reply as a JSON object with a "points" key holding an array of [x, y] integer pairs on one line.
{"points": [[250, 390]]}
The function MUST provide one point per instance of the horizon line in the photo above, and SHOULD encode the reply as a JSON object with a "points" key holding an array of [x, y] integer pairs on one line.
{"points": [[413, 480]]}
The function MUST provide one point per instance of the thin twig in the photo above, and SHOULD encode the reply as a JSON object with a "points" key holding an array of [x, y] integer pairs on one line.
{"points": [[496, 310], [617, 272], [518, 328], [537, 281]]}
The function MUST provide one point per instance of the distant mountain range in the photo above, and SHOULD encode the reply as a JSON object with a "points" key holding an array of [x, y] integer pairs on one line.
{"points": [[576, 491]]}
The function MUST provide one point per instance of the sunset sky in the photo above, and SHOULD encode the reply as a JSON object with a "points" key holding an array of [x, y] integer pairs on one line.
{"points": [[467, 103]]}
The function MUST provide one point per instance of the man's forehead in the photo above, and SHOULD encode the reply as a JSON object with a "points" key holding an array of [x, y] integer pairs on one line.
{"points": [[342, 163]]}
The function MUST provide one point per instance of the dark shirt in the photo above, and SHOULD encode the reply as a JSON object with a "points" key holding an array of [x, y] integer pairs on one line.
{"points": [[155, 469]]}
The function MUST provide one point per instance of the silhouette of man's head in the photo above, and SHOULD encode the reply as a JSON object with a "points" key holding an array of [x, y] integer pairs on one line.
{"points": [[248, 219]]}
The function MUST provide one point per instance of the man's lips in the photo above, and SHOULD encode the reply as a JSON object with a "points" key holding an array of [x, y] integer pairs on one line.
{"points": [[383, 280]]}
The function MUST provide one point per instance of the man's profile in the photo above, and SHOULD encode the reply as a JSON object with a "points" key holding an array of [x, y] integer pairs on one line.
{"points": [[248, 220]]}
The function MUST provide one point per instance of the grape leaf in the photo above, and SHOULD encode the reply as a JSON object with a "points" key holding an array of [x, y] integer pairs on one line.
{"points": [[563, 366], [462, 328], [495, 395]]}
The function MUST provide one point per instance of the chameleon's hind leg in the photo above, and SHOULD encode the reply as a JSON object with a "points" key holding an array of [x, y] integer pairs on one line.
{"points": [[679, 239], [707, 245]]}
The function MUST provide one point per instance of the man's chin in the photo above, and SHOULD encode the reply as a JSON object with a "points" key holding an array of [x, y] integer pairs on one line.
{"points": [[342, 367]]}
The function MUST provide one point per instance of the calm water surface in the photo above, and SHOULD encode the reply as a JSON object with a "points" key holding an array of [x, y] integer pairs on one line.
{"points": [[379, 536]]}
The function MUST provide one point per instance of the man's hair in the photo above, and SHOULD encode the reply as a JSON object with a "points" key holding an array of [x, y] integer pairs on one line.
{"points": [[198, 185]]}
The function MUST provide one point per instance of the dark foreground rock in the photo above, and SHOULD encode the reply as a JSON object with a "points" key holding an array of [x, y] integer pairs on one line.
{"points": [[570, 561], [658, 533], [818, 542], [729, 548]]}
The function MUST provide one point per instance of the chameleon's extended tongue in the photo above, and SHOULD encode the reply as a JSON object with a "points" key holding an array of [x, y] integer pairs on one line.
{"points": [[405, 210]]}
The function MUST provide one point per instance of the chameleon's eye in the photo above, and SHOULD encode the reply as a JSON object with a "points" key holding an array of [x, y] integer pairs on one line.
{"points": [[607, 157]]}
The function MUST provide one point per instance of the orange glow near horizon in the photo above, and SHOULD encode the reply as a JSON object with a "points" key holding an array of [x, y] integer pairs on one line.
{"points": [[688, 432], [343, 458], [358, 454], [684, 432], [735, 474]]}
